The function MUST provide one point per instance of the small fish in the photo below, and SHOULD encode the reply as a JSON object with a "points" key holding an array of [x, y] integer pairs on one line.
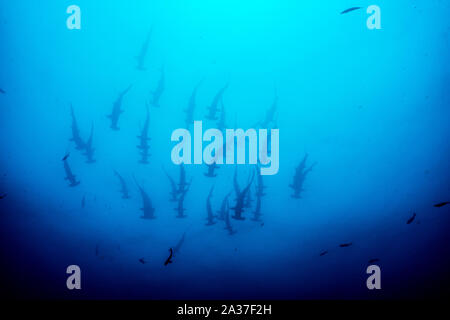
{"points": [[142, 260], [66, 156], [3, 196], [83, 202], [438, 205], [344, 245], [410, 220], [169, 259], [2, 91], [374, 260], [323, 253], [350, 10]]}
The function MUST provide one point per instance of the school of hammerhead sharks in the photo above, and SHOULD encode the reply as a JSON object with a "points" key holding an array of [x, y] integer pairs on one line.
{"points": [[216, 112]]}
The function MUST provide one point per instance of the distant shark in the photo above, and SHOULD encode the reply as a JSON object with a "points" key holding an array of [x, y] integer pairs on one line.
{"points": [[270, 113], [259, 194], [259, 185], [224, 208], [300, 174], [147, 208], [143, 53], [157, 93], [239, 207], [213, 108], [183, 184], [228, 223], [180, 208], [89, 150], [69, 175], [174, 190], [191, 106], [76, 138], [117, 109], [124, 189], [143, 139], [221, 124]]}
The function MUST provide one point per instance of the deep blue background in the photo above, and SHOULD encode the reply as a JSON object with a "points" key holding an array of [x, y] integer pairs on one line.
{"points": [[371, 107]]}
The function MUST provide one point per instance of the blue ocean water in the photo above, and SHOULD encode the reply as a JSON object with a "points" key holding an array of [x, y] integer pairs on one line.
{"points": [[370, 108]]}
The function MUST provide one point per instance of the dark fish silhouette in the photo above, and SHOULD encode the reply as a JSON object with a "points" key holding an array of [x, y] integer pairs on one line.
{"points": [[66, 156], [373, 260], [169, 259], [345, 245], [83, 202], [213, 108], [147, 208], [89, 150], [350, 9], [299, 178], [143, 53], [143, 139], [157, 93], [76, 138], [438, 205], [69, 175], [142, 260], [124, 188], [2, 91], [3, 196], [410, 220], [209, 210], [191, 106], [117, 109], [323, 253]]}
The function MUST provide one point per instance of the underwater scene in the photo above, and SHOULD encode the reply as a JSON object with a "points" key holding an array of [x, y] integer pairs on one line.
{"points": [[224, 149]]}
